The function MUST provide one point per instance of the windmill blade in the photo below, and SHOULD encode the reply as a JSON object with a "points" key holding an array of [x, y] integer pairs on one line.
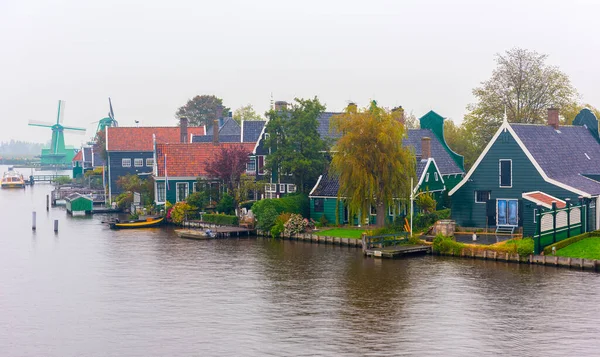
{"points": [[73, 128], [40, 123], [61, 111], [111, 114]]}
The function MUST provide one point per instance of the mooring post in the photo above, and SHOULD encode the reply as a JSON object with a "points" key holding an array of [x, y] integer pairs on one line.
{"points": [[33, 220], [56, 225], [47, 202]]}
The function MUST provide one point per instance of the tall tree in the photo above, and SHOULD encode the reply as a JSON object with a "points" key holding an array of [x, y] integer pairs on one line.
{"points": [[202, 110], [246, 112], [524, 86], [100, 144], [296, 147], [373, 166], [228, 164]]}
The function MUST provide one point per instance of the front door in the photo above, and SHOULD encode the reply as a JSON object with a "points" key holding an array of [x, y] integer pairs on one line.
{"points": [[507, 212]]}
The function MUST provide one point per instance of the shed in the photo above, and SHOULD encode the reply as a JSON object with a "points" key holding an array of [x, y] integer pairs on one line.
{"points": [[77, 203]]}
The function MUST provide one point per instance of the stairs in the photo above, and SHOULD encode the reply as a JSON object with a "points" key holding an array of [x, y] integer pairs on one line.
{"points": [[505, 229]]}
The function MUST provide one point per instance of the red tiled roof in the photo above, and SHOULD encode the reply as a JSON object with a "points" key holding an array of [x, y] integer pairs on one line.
{"points": [[544, 199], [78, 156], [140, 139], [189, 160]]}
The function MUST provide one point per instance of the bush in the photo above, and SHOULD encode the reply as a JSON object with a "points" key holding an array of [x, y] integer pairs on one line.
{"points": [[425, 220], [323, 220], [226, 204], [124, 200], [267, 210], [446, 245], [523, 247], [198, 200], [279, 226], [221, 219], [178, 212], [295, 224], [63, 180]]}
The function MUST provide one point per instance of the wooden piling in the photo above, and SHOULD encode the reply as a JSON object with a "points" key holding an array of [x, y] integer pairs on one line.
{"points": [[47, 202], [33, 214], [56, 225]]}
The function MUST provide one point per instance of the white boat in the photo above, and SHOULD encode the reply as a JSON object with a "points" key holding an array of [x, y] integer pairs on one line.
{"points": [[12, 179]]}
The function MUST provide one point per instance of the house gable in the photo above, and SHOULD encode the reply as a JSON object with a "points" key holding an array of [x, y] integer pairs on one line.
{"points": [[435, 122]]}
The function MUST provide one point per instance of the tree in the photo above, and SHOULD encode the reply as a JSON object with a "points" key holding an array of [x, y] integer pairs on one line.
{"points": [[228, 164], [133, 183], [246, 112], [100, 144], [296, 147], [570, 112], [202, 110], [372, 166], [524, 86], [461, 141]]}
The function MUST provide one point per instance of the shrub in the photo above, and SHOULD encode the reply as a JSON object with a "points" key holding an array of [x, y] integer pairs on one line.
{"points": [[323, 220], [279, 226], [523, 247], [425, 202], [222, 219], [424, 220], [295, 224], [63, 180], [178, 212], [447, 245], [226, 204], [198, 200], [124, 200], [268, 209]]}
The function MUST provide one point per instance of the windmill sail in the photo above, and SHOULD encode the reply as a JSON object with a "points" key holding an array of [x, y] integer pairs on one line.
{"points": [[61, 112]]}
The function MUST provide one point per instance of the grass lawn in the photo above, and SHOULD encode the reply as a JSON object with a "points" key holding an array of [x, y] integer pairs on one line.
{"points": [[588, 248], [341, 232]]}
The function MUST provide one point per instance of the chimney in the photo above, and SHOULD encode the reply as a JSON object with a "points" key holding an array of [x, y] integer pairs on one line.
{"points": [[280, 105], [219, 112], [183, 129], [352, 108], [425, 148], [398, 114], [216, 132], [553, 118]]}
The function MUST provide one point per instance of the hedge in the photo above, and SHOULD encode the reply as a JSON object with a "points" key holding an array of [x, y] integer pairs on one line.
{"points": [[447, 245], [565, 242], [297, 203], [222, 219]]}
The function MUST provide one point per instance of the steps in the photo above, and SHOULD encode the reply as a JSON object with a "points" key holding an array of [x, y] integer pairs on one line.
{"points": [[505, 229]]}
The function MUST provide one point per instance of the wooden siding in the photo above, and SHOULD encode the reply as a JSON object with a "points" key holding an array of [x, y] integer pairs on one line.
{"points": [[525, 178], [116, 169]]}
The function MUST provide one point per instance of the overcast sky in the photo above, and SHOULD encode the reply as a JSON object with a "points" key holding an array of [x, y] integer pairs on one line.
{"points": [[151, 56]]}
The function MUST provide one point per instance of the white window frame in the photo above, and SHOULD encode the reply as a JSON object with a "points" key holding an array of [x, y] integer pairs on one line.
{"points": [[150, 162], [282, 188], [500, 173], [291, 188], [138, 162], [125, 162], [251, 165], [535, 215], [435, 176], [497, 215], [187, 189], [160, 199], [427, 177], [489, 196], [194, 187]]}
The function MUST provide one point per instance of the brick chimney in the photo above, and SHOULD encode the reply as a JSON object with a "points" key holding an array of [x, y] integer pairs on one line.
{"points": [[425, 148], [219, 112], [183, 129], [216, 132], [553, 118], [280, 105], [398, 114]]}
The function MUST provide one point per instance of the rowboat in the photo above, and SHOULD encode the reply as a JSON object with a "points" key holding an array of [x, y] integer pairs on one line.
{"points": [[12, 179], [140, 223], [195, 234]]}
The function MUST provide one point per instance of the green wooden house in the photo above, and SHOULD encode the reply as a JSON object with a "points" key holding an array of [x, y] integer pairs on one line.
{"points": [[525, 168], [438, 170], [79, 204]]}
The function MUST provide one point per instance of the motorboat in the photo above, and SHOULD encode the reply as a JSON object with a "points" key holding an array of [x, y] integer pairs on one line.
{"points": [[12, 179], [139, 223]]}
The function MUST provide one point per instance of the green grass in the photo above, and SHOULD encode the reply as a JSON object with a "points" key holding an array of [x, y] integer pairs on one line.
{"points": [[588, 248], [341, 233]]}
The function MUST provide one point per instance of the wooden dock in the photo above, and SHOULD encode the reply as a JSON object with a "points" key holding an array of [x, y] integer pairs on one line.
{"points": [[219, 231], [60, 193], [397, 251]]}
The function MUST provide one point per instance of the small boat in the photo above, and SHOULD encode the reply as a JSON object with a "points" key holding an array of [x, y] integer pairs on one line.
{"points": [[140, 223], [12, 179], [195, 234]]}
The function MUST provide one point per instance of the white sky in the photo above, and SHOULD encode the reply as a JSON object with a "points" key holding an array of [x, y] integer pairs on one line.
{"points": [[151, 56]]}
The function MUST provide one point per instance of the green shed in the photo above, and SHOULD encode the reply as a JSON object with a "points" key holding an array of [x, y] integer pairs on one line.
{"points": [[77, 203]]}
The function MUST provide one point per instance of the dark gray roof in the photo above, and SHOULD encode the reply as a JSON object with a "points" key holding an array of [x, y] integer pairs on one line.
{"points": [[328, 186], [87, 154], [252, 130], [563, 154], [323, 129], [421, 164], [222, 138], [98, 160], [229, 127], [443, 160]]}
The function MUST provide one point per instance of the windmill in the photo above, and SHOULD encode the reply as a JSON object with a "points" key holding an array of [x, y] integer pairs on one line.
{"points": [[108, 121], [58, 154]]}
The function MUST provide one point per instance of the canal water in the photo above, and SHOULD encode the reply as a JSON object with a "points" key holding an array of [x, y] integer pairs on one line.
{"points": [[90, 291]]}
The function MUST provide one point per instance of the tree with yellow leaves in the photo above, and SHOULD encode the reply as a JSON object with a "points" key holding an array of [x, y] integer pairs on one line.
{"points": [[372, 166]]}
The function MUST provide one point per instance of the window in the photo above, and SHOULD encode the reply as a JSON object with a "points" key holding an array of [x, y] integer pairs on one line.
{"points": [[482, 196], [505, 173], [427, 177], [391, 210], [138, 162], [435, 175], [507, 212], [291, 188], [251, 165], [261, 164], [150, 162], [195, 187], [535, 215], [373, 210], [282, 188], [161, 194], [126, 162], [182, 191], [319, 203], [271, 190]]}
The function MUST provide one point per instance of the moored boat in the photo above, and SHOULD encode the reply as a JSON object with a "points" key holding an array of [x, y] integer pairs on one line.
{"points": [[12, 179], [140, 223], [195, 234]]}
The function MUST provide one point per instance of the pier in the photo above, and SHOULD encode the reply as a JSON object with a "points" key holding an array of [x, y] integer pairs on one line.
{"points": [[61, 193], [391, 246]]}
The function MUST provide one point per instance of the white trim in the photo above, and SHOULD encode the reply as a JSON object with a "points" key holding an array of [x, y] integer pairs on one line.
{"points": [[328, 197], [316, 185], [541, 203], [500, 173], [429, 161], [293, 186], [280, 186], [262, 132], [489, 196], [187, 185], [242, 130], [597, 212], [507, 199], [503, 127], [435, 176]]}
